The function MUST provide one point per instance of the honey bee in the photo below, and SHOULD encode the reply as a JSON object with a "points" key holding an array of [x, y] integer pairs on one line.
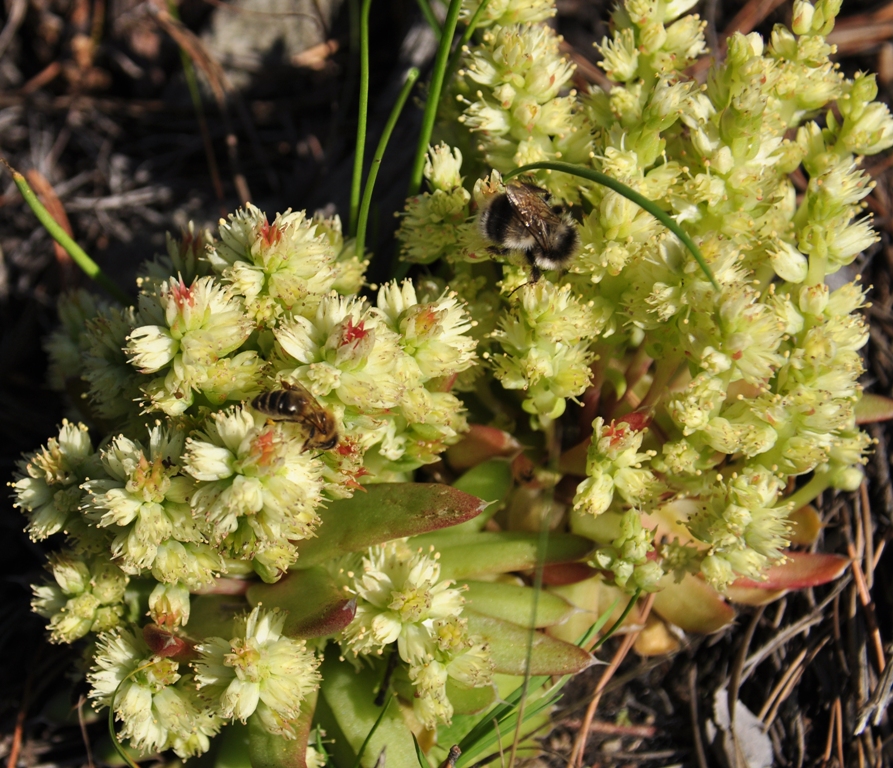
{"points": [[521, 219], [295, 403]]}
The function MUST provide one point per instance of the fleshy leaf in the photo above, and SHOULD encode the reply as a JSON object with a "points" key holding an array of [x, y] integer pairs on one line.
{"points": [[806, 524], [234, 750], [469, 701], [692, 605], [800, 570], [349, 695], [467, 555], [479, 444], [655, 638], [383, 512], [872, 408], [512, 602], [270, 751], [212, 615], [508, 648], [561, 574], [491, 482], [316, 606]]}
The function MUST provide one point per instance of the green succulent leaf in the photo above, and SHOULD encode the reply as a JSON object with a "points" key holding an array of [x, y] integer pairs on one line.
{"points": [[234, 749], [316, 606], [212, 615], [270, 751], [872, 408], [466, 555], [383, 512], [469, 701], [349, 695], [509, 648], [513, 602], [490, 481]]}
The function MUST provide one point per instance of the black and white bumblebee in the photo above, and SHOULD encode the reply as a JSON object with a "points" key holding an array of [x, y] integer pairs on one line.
{"points": [[521, 219]]}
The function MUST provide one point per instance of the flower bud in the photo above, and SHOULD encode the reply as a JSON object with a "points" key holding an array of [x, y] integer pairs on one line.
{"points": [[789, 264], [442, 165], [801, 20], [814, 299]]}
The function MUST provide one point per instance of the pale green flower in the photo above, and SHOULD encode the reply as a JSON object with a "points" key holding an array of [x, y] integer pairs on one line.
{"points": [[258, 672], [65, 346], [47, 482], [504, 12], [400, 596], [627, 556], [284, 266], [350, 267], [257, 488], [144, 501], [154, 700], [169, 605], [114, 386], [188, 331], [433, 334], [615, 465], [185, 257], [87, 596]]}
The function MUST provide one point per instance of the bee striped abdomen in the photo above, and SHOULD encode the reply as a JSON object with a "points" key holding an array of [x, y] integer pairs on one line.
{"points": [[279, 404]]}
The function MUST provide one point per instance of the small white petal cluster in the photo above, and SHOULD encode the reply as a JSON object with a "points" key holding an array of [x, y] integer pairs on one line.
{"points": [[154, 698], [258, 672], [401, 599], [762, 374], [511, 94], [384, 372], [257, 489]]}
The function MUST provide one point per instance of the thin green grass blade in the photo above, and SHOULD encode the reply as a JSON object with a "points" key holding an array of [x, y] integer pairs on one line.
{"points": [[463, 41], [423, 761], [363, 218], [362, 117], [372, 731], [617, 624], [428, 13], [196, 97], [630, 194], [78, 255], [434, 91]]}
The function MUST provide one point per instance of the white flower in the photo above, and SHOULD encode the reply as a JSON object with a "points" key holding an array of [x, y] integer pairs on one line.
{"points": [[258, 670]]}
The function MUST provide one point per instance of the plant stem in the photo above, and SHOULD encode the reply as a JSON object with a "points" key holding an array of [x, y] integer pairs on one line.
{"points": [[630, 194], [362, 116], [428, 13], [363, 217], [434, 90], [466, 36], [196, 96], [78, 255]]}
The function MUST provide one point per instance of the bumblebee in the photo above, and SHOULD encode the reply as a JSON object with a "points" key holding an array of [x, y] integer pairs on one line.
{"points": [[295, 403], [521, 219]]}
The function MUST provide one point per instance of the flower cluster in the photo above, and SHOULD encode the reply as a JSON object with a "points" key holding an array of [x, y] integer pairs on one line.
{"points": [[510, 92], [164, 702], [259, 672], [680, 402], [401, 599], [217, 489], [757, 379]]}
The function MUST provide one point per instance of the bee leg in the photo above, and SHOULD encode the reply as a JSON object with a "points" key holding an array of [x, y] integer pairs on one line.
{"points": [[497, 250]]}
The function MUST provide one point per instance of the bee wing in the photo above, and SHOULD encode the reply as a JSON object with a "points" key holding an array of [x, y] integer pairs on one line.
{"points": [[534, 213], [315, 415]]}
